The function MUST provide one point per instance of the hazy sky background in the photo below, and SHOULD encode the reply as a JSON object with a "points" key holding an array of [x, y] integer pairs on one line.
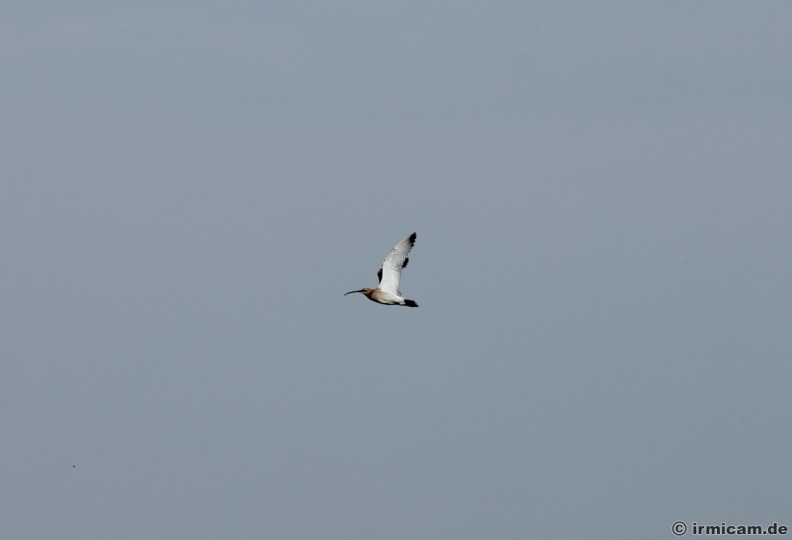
{"points": [[601, 193]]}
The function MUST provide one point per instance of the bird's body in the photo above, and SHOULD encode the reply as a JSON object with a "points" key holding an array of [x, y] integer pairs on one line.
{"points": [[390, 275]]}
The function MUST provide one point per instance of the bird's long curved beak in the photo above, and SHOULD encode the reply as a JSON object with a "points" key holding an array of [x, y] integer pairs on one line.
{"points": [[350, 292]]}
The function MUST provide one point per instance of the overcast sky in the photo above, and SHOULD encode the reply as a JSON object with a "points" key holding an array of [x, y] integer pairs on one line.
{"points": [[601, 192]]}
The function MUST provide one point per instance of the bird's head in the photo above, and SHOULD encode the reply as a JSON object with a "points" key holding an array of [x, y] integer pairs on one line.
{"points": [[367, 292]]}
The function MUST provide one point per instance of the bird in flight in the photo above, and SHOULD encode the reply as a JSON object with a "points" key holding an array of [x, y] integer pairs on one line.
{"points": [[389, 276]]}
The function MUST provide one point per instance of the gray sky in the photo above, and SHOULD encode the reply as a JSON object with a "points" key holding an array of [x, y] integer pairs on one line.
{"points": [[602, 198]]}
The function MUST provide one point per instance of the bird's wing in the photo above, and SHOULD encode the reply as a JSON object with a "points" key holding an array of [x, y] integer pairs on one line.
{"points": [[390, 273]]}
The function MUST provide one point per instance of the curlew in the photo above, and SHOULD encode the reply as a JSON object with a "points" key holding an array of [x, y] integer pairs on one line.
{"points": [[389, 276]]}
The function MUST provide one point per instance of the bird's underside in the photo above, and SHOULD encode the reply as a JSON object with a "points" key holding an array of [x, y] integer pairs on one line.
{"points": [[382, 297]]}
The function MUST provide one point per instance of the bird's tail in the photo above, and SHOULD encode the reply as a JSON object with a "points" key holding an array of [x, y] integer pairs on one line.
{"points": [[410, 303]]}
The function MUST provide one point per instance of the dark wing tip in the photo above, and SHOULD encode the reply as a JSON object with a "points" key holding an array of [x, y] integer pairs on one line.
{"points": [[406, 260], [379, 275], [413, 236]]}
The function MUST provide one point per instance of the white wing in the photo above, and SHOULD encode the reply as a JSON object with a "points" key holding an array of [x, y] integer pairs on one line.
{"points": [[390, 273]]}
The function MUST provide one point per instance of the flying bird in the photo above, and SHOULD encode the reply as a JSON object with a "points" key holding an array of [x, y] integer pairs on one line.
{"points": [[389, 276]]}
